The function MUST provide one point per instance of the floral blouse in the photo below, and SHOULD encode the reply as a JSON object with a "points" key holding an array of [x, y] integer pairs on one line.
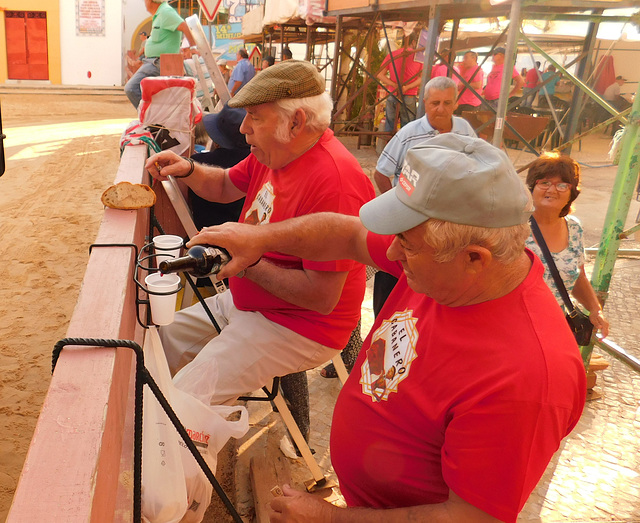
{"points": [[568, 261]]}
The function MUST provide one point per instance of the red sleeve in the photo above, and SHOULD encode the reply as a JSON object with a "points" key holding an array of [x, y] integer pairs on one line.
{"points": [[378, 245], [515, 73], [343, 202], [239, 173]]}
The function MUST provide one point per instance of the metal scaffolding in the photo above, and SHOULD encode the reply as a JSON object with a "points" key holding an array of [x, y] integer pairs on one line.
{"points": [[431, 14]]}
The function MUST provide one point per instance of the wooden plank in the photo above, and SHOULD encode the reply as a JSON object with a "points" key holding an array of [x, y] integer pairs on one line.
{"points": [[171, 64], [267, 472], [72, 471]]}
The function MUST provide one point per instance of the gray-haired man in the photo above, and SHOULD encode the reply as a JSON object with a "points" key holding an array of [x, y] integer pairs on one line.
{"points": [[440, 95], [470, 377], [285, 314]]}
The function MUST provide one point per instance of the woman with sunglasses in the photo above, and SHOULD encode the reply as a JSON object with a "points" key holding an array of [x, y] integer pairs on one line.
{"points": [[554, 182]]}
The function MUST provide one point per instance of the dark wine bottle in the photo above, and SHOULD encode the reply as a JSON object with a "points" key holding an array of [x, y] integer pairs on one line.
{"points": [[201, 261]]}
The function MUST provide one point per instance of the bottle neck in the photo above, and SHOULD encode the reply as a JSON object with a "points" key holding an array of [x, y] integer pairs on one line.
{"points": [[183, 264]]}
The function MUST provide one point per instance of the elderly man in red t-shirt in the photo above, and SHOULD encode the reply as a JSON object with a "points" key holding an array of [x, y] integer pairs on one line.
{"points": [[285, 314], [470, 377], [400, 72]]}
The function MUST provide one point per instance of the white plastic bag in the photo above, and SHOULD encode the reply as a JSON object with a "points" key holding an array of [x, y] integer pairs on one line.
{"points": [[164, 491], [208, 429]]}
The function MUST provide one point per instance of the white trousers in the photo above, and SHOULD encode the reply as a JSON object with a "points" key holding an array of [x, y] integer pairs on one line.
{"points": [[248, 353]]}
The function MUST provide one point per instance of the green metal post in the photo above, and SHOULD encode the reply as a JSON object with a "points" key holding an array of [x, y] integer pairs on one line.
{"points": [[618, 210]]}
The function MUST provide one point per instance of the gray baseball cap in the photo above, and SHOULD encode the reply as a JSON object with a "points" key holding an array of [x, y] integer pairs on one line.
{"points": [[453, 178]]}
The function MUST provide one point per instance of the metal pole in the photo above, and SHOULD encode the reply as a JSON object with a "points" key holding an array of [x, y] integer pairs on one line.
{"points": [[335, 65], [577, 100], [452, 46], [619, 204], [507, 71], [432, 37]]}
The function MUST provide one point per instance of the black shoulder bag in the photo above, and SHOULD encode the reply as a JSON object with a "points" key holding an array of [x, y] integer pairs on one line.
{"points": [[579, 322]]}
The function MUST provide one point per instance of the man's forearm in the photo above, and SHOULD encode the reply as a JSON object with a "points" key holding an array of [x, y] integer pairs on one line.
{"points": [[314, 290], [319, 237], [382, 181], [211, 183]]}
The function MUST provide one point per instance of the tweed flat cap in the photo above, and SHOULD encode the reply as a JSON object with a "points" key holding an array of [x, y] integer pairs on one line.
{"points": [[288, 79]]}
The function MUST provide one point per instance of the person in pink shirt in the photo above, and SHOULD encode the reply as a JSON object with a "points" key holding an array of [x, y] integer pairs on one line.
{"points": [[494, 79], [400, 69], [473, 74], [441, 68]]}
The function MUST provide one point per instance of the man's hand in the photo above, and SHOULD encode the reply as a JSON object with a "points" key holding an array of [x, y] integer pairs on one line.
{"points": [[296, 506], [167, 163], [245, 243]]}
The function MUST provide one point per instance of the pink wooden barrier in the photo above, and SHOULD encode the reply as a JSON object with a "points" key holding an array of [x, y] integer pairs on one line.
{"points": [[79, 465]]}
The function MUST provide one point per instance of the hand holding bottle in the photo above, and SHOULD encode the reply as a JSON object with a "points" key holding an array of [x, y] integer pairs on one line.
{"points": [[201, 261], [244, 243]]}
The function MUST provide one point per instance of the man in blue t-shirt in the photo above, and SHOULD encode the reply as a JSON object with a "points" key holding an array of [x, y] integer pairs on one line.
{"points": [[242, 72]]}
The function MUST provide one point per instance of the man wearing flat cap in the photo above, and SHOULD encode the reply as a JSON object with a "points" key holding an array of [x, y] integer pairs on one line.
{"points": [[470, 377], [284, 314]]}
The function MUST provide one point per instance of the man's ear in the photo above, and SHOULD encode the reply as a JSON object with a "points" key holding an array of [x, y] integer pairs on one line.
{"points": [[477, 258], [298, 122]]}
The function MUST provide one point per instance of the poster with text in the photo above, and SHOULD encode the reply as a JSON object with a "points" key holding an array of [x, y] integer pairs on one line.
{"points": [[90, 18]]}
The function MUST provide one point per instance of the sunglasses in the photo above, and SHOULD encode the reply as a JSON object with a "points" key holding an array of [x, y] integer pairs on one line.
{"points": [[560, 186]]}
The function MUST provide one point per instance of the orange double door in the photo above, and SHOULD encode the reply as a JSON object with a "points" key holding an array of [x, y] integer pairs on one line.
{"points": [[27, 54]]}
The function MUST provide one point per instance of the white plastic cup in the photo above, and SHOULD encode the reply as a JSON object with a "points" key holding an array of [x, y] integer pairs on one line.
{"points": [[163, 307], [167, 246]]}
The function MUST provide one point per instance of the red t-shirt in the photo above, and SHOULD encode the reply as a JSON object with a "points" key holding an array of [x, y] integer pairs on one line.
{"points": [[325, 178], [439, 70], [406, 66], [475, 399], [494, 79], [467, 97], [531, 79]]}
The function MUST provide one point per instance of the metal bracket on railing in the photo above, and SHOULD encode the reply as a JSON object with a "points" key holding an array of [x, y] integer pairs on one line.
{"points": [[140, 266], [143, 377]]}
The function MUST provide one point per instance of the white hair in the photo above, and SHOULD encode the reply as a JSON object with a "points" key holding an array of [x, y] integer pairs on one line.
{"points": [[448, 239], [316, 108], [439, 83]]}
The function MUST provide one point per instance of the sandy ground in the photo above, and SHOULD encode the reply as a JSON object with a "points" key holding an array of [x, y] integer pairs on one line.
{"points": [[61, 152]]}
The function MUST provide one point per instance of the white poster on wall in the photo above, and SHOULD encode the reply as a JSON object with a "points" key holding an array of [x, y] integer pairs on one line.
{"points": [[90, 18]]}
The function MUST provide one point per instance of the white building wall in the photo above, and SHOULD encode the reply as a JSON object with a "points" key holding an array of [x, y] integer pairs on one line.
{"points": [[90, 59], [134, 13]]}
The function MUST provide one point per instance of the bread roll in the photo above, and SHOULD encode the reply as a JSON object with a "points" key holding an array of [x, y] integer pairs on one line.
{"points": [[125, 195]]}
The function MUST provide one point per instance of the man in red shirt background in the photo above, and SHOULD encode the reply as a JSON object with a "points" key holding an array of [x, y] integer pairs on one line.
{"points": [[473, 74], [400, 73], [531, 81], [494, 79]]}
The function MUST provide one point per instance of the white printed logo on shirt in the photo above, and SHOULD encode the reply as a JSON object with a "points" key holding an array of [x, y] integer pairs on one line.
{"points": [[262, 207], [388, 362]]}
